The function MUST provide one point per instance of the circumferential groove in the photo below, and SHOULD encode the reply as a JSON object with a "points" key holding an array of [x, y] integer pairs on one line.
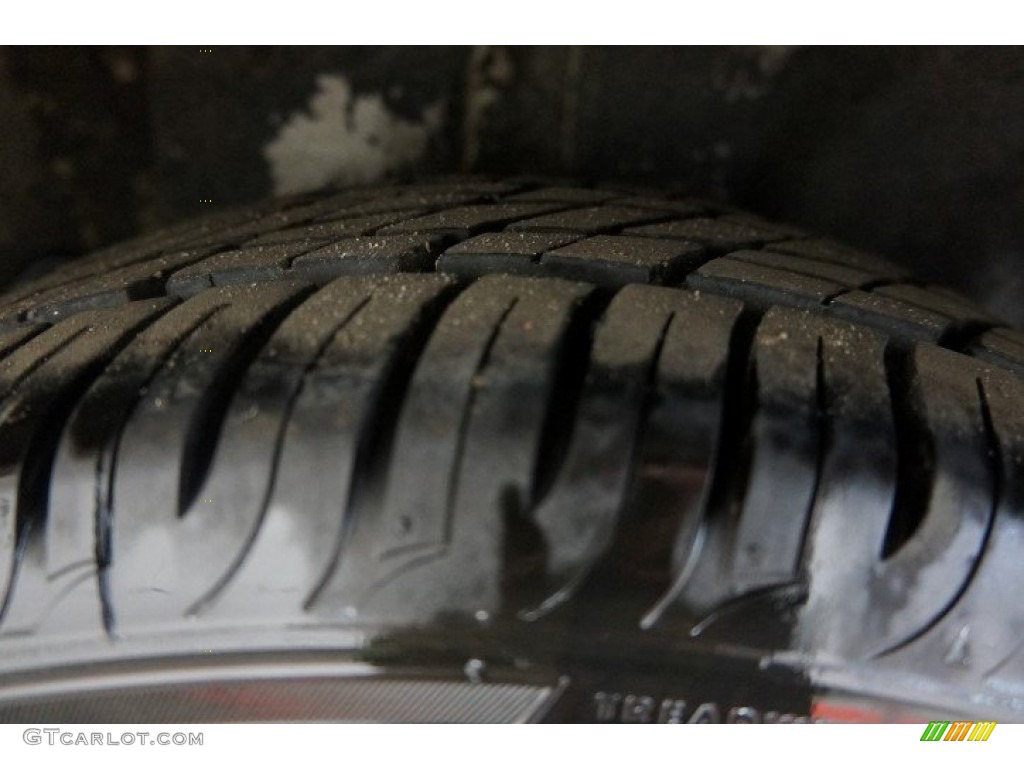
{"points": [[915, 450], [204, 427], [376, 433]]}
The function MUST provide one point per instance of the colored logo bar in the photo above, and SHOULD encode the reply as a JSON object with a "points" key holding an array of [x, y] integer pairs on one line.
{"points": [[961, 730]]}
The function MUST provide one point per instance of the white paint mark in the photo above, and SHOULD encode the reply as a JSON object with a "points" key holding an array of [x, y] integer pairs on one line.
{"points": [[345, 139]]}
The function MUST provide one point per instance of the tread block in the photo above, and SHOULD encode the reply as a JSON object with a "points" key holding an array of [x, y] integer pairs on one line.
{"points": [[902, 592], [373, 211], [415, 451], [610, 260], [77, 549], [433, 547], [588, 221], [786, 433], [327, 346], [683, 208], [835, 253], [756, 543], [945, 303], [1001, 347], [276, 214], [948, 647], [762, 284], [577, 195], [303, 482], [717, 235], [121, 286], [239, 234], [340, 202], [173, 239], [370, 255], [858, 472], [247, 265], [110, 288], [850, 277], [892, 315], [12, 338], [483, 187], [34, 403], [164, 455], [23, 359], [940, 556], [471, 219], [579, 516], [1009, 335], [751, 220], [665, 509], [509, 252], [423, 199], [336, 229]]}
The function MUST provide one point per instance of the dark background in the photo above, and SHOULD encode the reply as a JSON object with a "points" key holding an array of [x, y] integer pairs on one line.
{"points": [[914, 152]]}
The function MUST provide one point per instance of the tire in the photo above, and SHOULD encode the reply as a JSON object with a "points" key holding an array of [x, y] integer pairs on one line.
{"points": [[500, 450]]}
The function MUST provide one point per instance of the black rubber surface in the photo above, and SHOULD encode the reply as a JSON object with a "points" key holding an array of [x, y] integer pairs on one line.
{"points": [[567, 426]]}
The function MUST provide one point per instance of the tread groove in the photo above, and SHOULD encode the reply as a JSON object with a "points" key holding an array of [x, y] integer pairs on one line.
{"points": [[206, 421], [29, 333], [39, 362], [731, 469], [824, 441], [576, 580], [915, 452], [643, 428], [33, 485], [995, 464], [376, 435], [665, 427], [287, 410], [454, 474], [564, 400], [106, 461]]}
